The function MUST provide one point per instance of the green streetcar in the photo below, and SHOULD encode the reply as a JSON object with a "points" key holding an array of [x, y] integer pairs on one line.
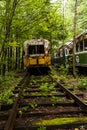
{"points": [[64, 54]]}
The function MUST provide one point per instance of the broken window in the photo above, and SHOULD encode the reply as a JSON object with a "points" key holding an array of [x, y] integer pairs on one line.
{"points": [[85, 44], [36, 49], [77, 47], [66, 52], [40, 49], [32, 50], [81, 45], [61, 53]]}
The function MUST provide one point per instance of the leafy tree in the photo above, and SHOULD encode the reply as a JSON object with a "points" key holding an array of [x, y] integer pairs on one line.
{"points": [[81, 17], [21, 20]]}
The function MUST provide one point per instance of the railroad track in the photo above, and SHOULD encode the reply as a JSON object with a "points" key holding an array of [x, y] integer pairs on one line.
{"points": [[43, 104]]}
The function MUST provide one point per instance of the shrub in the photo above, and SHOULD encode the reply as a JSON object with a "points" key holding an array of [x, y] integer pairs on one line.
{"points": [[83, 84], [63, 70]]}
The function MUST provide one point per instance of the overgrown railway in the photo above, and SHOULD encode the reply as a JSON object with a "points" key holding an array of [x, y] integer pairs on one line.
{"points": [[42, 103]]}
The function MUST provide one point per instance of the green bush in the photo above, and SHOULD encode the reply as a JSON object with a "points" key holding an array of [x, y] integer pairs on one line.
{"points": [[63, 70], [83, 84]]}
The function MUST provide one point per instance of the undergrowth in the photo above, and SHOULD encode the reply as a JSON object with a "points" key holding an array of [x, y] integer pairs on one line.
{"points": [[83, 84], [59, 75], [7, 85]]}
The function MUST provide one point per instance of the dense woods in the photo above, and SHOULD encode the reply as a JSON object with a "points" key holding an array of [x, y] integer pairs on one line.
{"points": [[21, 20]]}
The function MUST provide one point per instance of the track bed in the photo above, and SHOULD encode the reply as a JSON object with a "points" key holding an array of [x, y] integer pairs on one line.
{"points": [[43, 104]]}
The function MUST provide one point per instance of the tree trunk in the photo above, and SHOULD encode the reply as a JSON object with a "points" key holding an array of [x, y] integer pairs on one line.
{"points": [[75, 20], [18, 57], [8, 66], [22, 63], [10, 11], [3, 60], [10, 58]]}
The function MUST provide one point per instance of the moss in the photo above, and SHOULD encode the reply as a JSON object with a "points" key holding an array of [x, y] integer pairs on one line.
{"points": [[61, 121]]}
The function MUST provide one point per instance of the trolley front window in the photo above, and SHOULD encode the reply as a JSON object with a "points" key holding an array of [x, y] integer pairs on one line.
{"points": [[40, 49], [36, 49], [32, 50]]}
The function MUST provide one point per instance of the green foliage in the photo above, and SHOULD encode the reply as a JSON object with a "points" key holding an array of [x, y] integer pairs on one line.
{"points": [[33, 81], [42, 128], [25, 108], [44, 86], [33, 105], [63, 70], [5, 81], [55, 99], [31, 19], [48, 88], [52, 86], [83, 84], [81, 19], [6, 89], [6, 95], [13, 44], [44, 89], [7, 85], [60, 75]]}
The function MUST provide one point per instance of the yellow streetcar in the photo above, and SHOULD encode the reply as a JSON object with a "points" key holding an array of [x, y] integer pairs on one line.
{"points": [[37, 53]]}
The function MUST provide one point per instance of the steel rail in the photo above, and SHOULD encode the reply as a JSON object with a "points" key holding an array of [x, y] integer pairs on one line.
{"points": [[74, 97], [11, 118]]}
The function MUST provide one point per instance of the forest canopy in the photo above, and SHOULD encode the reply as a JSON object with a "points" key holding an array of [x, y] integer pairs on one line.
{"points": [[52, 20]]}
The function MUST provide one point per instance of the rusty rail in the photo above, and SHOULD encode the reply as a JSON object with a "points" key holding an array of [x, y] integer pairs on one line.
{"points": [[74, 97], [11, 118]]}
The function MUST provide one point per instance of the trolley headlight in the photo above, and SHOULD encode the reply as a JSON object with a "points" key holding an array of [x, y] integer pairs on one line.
{"points": [[46, 52]]}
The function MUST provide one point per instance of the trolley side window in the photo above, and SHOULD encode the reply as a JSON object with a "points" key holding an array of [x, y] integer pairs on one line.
{"points": [[77, 47], [81, 45], [85, 44], [61, 53], [66, 52]]}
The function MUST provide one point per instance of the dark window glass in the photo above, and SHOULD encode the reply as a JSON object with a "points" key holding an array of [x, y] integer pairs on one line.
{"points": [[81, 45], [85, 44], [66, 51], [77, 47], [37, 49], [71, 51], [32, 50], [40, 49]]}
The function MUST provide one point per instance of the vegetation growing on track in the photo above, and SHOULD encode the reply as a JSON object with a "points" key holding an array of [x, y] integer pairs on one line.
{"points": [[61, 121], [42, 128], [80, 82]]}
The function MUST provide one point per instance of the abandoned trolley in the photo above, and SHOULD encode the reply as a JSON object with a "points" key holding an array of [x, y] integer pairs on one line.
{"points": [[64, 54], [37, 53]]}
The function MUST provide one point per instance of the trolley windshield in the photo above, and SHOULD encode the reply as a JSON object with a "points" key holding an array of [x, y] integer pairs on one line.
{"points": [[35, 49]]}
